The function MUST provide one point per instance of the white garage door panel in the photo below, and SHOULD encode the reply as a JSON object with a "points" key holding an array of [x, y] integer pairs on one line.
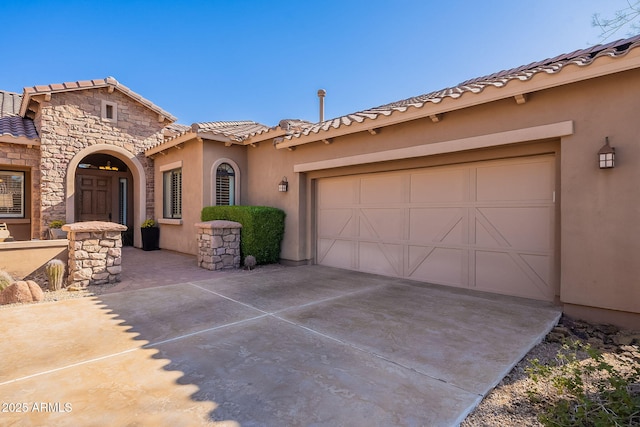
{"points": [[337, 253], [486, 225], [380, 258], [338, 222], [439, 186], [437, 225], [445, 266], [507, 273], [497, 227], [381, 224], [513, 182], [381, 189]]}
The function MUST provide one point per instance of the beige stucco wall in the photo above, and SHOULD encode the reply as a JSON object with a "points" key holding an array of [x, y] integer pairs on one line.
{"points": [[215, 152], [598, 210], [21, 259], [180, 235], [198, 160]]}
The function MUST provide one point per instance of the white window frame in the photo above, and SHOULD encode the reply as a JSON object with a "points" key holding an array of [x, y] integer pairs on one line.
{"points": [[237, 181], [114, 111]]}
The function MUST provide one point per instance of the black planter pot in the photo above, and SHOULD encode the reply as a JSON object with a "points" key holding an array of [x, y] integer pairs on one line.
{"points": [[150, 238]]}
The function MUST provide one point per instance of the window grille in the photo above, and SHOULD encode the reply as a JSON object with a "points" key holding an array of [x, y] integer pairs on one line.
{"points": [[12, 195], [172, 194], [225, 185]]}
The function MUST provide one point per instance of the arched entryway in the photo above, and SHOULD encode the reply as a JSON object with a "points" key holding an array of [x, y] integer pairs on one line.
{"points": [[107, 183]]}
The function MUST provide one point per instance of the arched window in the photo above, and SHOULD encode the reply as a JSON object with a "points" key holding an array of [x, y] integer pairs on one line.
{"points": [[225, 185]]}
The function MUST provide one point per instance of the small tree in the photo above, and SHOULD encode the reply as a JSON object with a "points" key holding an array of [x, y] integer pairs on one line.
{"points": [[627, 17]]}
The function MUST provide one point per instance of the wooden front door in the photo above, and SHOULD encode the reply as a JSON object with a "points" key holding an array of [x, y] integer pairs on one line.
{"points": [[95, 198]]}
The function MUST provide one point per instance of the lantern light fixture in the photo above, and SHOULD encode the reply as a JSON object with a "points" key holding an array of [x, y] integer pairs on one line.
{"points": [[283, 187], [607, 155]]}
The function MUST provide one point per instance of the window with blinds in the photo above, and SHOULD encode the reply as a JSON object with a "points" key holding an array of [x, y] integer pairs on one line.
{"points": [[225, 185], [11, 194], [172, 194]]}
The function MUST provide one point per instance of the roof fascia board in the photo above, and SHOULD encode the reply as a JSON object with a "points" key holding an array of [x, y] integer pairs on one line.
{"points": [[171, 143], [211, 136], [28, 95], [22, 140], [600, 67], [265, 136], [553, 130]]}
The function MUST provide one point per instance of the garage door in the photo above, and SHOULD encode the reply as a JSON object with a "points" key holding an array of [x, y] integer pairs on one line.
{"points": [[487, 226]]}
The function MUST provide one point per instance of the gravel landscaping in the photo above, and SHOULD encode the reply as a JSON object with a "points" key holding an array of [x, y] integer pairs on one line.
{"points": [[509, 404]]}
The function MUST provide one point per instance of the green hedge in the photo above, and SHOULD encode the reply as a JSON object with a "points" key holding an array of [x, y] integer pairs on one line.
{"points": [[262, 229]]}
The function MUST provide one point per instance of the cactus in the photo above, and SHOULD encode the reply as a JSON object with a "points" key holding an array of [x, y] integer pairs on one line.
{"points": [[250, 262], [55, 272], [5, 280]]}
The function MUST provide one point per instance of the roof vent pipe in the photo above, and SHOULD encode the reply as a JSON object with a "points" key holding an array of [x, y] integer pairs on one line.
{"points": [[321, 94]]}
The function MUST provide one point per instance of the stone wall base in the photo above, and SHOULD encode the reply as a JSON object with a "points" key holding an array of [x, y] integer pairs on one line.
{"points": [[218, 244], [95, 252]]}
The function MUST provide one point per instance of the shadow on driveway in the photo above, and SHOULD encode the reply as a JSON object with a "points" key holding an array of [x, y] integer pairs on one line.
{"points": [[289, 346]]}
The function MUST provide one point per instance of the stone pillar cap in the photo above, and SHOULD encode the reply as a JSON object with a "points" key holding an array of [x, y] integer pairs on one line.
{"points": [[218, 223], [88, 226]]}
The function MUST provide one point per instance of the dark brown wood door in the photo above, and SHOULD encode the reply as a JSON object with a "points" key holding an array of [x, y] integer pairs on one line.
{"points": [[95, 198]]}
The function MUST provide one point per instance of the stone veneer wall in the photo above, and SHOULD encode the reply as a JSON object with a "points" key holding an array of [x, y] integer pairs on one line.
{"points": [[21, 157], [71, 121], [95, 252], [218, 244]]}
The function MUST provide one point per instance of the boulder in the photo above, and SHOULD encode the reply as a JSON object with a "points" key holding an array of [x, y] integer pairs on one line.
{"points": [[21, 292], [36, 291]]}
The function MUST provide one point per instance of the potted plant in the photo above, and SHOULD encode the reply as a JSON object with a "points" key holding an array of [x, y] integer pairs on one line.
{"points": [[55, 229], [150, 235]]}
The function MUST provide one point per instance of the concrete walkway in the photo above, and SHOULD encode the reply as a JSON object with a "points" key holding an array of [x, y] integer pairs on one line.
{"points": [[275, 347]]}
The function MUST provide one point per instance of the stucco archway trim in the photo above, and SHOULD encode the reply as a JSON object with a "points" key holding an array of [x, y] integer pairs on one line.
{"points": [[238, 183], [139, 183]]}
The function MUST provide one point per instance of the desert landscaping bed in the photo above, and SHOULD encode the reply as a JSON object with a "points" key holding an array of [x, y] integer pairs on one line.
{"points": [[510, 404]]}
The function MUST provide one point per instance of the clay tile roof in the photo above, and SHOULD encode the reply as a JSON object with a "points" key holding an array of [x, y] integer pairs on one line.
{"points": [[237, 130], [11, 124], [17, 127], [9, 103], [89, 84], [582, 58], [174, 130], [177, 127]]}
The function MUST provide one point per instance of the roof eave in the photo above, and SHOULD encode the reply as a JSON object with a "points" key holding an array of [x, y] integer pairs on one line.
{"points": [[213, 136], [21, 140], [571, 73], [28, 93], [178, 140]]}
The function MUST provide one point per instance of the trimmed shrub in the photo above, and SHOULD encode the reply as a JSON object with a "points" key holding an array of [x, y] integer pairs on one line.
{"points": [[262, 229]]}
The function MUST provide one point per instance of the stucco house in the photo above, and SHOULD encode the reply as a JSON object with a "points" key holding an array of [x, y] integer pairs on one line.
{"points": [[493, 185]]}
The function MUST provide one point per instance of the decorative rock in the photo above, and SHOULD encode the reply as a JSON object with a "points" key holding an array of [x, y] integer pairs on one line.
{"points": [[250, 262], [21, 292], [36, 291]]}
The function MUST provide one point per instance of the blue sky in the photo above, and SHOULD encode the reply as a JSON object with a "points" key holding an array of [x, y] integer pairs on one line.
{"points": [[265, 60]]}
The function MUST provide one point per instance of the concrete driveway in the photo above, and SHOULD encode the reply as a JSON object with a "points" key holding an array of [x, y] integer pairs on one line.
{"points": [[303, 346]]}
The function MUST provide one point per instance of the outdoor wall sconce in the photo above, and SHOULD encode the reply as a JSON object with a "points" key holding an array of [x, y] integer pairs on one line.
{"points": [[283, 187], [607, 155]]}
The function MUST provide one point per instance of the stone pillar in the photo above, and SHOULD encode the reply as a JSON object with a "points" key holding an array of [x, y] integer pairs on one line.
{"points": [[218, 244], [95, 252]]}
